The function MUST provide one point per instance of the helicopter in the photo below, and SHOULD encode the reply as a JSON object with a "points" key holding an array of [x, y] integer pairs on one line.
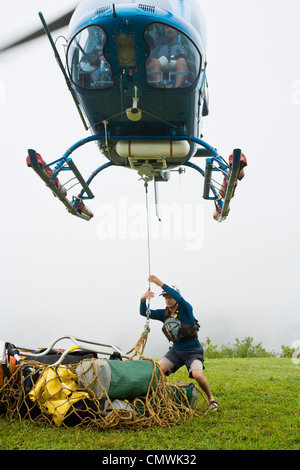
{"points": [[137, 72]]}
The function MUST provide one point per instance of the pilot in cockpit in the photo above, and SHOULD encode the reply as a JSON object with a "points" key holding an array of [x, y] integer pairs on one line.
{"points": [[94, 69], [167, 63]]}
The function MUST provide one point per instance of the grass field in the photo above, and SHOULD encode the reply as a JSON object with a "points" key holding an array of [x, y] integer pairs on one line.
{"points": [[259, 410]]}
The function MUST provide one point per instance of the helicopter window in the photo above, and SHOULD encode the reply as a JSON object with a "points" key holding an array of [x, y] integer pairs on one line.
{"points": [[88, 66], [174, 61]]}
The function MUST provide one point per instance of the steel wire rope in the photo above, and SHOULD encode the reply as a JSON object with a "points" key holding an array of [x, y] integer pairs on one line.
{"points": [[149, 252]]}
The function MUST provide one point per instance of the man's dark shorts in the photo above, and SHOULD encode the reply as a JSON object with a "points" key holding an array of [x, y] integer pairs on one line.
{"points": [[192, 359]]}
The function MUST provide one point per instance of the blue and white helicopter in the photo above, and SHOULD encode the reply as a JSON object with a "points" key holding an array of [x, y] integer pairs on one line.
{"points": [[136, 70]]}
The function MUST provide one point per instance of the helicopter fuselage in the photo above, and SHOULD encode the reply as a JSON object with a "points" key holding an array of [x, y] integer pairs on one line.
{"points": [[137, 74], [112, 56]]}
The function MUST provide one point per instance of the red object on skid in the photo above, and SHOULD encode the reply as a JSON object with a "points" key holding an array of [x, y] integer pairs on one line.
{"points": [[49, 173]]}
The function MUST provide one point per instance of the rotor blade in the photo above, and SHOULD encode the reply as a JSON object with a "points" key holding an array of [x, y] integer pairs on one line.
{"points": [[57, 24]]}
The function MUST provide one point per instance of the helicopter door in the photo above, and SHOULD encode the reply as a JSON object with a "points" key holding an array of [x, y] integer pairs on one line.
{"points": [[174, 61], [87, 64]]}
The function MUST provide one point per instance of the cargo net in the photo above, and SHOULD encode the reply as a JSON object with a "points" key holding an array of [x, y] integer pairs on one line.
{"points": [[99, 393]]}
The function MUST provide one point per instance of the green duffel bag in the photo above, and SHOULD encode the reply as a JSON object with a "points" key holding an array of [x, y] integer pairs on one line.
{"points": [[123, 380]]}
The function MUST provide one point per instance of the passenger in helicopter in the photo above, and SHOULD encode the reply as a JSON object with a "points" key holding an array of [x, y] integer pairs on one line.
{"points": [[168, 60], [89, 68], [102, 76]]}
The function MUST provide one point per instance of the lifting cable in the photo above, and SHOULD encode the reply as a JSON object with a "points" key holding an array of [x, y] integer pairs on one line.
{"points": [[140, 345], [147, 328]]}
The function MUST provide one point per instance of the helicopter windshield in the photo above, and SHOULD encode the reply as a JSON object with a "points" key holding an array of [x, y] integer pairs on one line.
{"points": [[87, 64], [174, 61]]}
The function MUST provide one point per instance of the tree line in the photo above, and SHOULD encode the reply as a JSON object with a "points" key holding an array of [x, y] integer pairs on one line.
{"points": [[243, 348]]}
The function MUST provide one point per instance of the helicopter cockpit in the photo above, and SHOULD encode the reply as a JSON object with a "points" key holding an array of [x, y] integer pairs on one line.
{"points": [[174, 61], [88, 66]]}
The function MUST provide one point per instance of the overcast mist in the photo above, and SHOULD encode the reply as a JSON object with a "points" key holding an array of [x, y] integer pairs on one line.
{"points": [[62, 275]]}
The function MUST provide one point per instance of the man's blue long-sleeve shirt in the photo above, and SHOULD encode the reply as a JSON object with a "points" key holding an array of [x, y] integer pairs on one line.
{"points": [[185, 313]]}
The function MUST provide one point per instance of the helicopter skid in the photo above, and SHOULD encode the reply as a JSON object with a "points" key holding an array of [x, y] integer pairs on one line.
{"points": [[223, 205], [76, 207], [232, 171]]}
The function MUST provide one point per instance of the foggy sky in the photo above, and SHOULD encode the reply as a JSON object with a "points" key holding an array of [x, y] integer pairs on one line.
{"points": [[61, 275]]}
